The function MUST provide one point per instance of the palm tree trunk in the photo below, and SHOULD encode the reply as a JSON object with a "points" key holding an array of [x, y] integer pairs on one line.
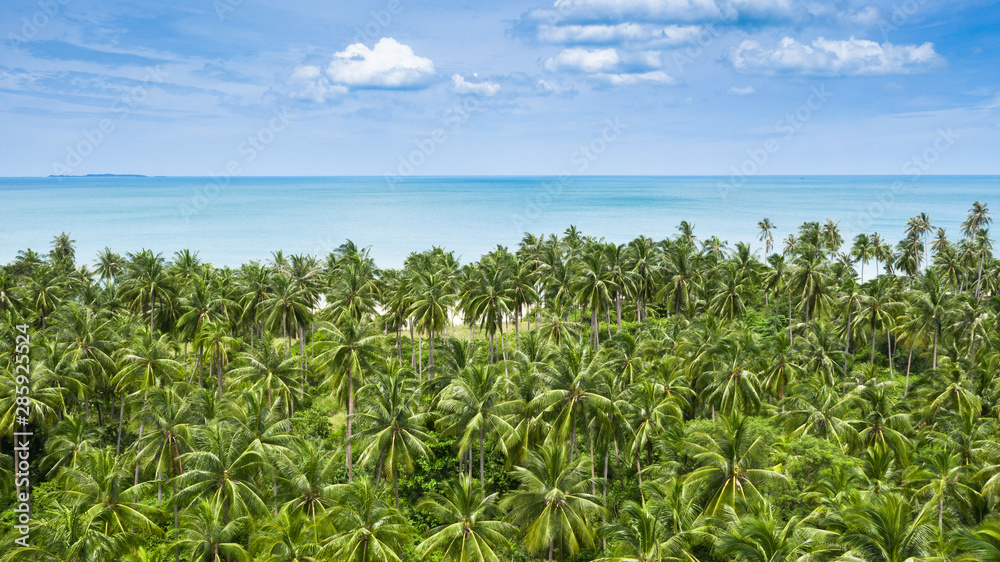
{"points": [[936, 330], [607, 318], [121, 416], [789, 316], [517, 332], [482, 473], [152, 312], [350, 417], [979, 278], [142, 426], [872, 360], [413, 349], [595, 333], [218, 371], [906, 386], [618, 306], [177, 526], [395, 487], [888, 345], [847, 336], [776, 293], [430, 360], [604, 503]]}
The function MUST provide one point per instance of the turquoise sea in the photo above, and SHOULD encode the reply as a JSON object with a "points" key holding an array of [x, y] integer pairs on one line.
{"points": [[231, 222]]}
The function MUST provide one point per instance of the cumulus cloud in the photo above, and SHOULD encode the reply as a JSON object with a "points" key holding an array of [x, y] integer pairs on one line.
{"points": [[851, 57], [653, 77], [741, 90], [485, 88], [583, 60], [607, 66], [309, 83], [389, 64]]}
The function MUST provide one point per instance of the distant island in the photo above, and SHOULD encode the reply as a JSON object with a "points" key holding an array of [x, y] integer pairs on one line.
{"points": [[101, 176]]}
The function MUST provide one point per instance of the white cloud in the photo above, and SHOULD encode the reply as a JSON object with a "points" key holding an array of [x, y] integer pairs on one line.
{"points": [[852, 57], [741, 90], [656, 77], [606, 65], [389, 64], [308, 82], [582, 60], [635, 33], [485, 88]]}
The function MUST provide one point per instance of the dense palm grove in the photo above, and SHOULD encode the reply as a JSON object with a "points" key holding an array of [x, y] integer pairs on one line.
{"points": [[573, 399]]}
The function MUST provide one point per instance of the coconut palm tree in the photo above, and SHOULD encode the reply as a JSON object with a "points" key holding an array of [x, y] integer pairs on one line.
{"points": [[554, 508], [470, 410], [223, 468], [766, 235], [346, 355], [469, 527], [732, 465], [207, 535], [391, 433], [887, 529], [365, 526]]}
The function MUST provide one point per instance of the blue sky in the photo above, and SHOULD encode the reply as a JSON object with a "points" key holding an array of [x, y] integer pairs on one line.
{"points": [[437, 87]]}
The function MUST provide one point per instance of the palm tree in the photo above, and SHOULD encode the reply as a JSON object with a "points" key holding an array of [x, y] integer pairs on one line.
{"points": [[932, 304], [766, 235], [553, 507], [489, 299], [206, 538], [147, 283], [391, 431], [762, 538], [432, 298], [593, 287], [470, 405], [347, 355], [223, 467], [863, 251], [978, 220], [886, 529], [266, 369], [285, 538], [70, 438], [732, 465], [365, 526], [110, 265], [101, 491], [981, 545], [469, 529]]}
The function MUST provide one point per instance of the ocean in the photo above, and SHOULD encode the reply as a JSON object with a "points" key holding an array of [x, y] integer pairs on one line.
{"points": [[232, 221]]}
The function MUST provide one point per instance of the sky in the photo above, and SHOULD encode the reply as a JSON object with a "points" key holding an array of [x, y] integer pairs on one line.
{"points": [[520, 87]]}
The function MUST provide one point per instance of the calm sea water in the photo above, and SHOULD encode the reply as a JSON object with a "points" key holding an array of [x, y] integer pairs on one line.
{"points": [[251, 217]]}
